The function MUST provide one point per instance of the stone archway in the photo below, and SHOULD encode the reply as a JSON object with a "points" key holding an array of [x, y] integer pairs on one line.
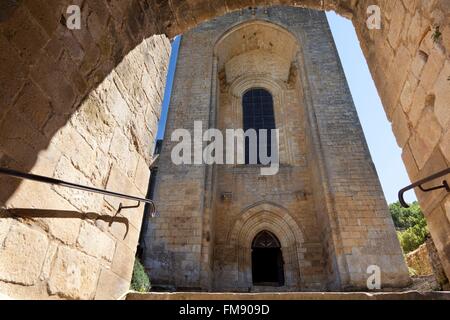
{"points": [[277, 220], [55, 84]]}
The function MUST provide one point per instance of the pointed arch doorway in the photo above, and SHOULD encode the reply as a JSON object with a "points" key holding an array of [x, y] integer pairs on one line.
{"points": [[267, 260]]}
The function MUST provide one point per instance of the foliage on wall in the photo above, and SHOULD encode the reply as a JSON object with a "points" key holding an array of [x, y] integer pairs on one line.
{"points": [[140, 281]]}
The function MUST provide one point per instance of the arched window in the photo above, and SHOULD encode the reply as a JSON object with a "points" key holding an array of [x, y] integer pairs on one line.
{"points": [[258, 114]]}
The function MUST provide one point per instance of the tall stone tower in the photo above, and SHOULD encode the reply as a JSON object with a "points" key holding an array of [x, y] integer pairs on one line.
{"points": [[321, 223]]}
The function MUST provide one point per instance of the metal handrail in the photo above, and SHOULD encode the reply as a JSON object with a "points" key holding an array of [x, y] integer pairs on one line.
{"points": [[419, 184], [62, 183]]}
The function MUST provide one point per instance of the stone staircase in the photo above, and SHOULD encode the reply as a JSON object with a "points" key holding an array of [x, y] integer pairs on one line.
{"points": [[409, 295]]}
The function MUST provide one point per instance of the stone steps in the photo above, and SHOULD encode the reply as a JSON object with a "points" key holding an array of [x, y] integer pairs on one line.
{"points": [[409, 295]]}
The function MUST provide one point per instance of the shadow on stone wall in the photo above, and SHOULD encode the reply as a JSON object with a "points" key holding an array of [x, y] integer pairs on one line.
{"points": [[38, 214]]}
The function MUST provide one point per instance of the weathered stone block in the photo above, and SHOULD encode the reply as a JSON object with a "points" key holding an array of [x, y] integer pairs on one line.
{"points": [[418, 63], [29, 38], [432, 69], [95, 242], [94, 122], [82, 156], [64, 229], [5, 224], [123, 151], [428, 200], [447, 208], [396, 24], [121, 262], [125, 233], [112, 97], [442, 93], [400, 126], [110, 286], [429, 130], [33, 106], [435, 218], [121, 183], [48, 262], [410, 162], [47, 14], [19, 139], [22, 255], [61, 91], [74, 275], [445, 145], [418, 104], [80, 199], [142, 175]]}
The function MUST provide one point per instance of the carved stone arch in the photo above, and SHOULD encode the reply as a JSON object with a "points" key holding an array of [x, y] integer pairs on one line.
{"points": [[270, 217], [256, 22], [265, 206], [258, 35], [275, 44]]}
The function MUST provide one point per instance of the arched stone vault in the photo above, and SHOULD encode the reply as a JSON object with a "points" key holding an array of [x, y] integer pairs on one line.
{"points": [[48, 73], [178, 19], [241, 72]]}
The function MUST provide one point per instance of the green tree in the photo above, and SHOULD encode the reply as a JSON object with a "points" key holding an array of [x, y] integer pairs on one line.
{"points": [[411, 225]]}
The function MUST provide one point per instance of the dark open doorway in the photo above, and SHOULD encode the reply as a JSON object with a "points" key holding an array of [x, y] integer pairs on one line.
{"points": [[267, 260]]}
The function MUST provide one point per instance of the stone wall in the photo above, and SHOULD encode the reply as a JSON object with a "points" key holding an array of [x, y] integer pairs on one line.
{"points": [[410, 72], [436, 263], [425, 262], [416, 95], [195, 296], [325, 205], [57, 242], [419, 261]]}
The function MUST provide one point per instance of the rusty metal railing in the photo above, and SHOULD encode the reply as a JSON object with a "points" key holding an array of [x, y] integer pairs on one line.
{"points": [[420, 184], [62, 183]]}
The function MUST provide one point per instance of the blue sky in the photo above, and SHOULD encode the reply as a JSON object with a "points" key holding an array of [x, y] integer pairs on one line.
{"points": [[384, 150], [168, 90]]}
